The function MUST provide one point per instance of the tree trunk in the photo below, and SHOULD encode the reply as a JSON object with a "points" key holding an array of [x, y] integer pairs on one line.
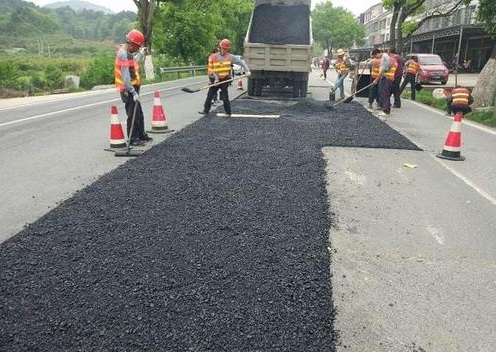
{"points": [[485, 88], [146, 8], [399, 36], [392, 28]]}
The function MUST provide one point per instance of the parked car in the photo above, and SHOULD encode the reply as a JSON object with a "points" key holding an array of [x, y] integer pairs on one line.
{"points": [[238, 70], [432, 68]]}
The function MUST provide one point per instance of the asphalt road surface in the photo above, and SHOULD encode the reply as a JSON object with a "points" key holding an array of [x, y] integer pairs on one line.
{"points": [[306, 232]]}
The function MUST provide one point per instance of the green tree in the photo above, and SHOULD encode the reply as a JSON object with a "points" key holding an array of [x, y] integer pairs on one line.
{"points": [[404, 9], [484, 92], [336, 27]]}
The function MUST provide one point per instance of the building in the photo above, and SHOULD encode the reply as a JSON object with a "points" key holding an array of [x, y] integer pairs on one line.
{"points": [[456, 38]]}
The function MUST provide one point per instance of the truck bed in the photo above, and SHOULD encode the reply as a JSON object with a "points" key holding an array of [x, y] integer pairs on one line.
{"points": [[279, 25]]}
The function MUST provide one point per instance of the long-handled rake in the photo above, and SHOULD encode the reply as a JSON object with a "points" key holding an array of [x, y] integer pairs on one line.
{"points": [[189, 90], [349, 98]]}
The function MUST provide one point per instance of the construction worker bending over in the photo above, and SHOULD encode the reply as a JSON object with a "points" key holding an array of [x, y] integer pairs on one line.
{"points": [[342, 67], [375, 64], [220, 66], [412, 69], [387, 70], [460, 100], [128, 82]]}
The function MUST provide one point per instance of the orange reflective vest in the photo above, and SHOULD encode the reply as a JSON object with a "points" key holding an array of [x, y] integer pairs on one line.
{"points": [[394, 65], [412, 67], [340, 66], [460, 96], [220, 65], [133, 66], [374, 70], [210, 70]]}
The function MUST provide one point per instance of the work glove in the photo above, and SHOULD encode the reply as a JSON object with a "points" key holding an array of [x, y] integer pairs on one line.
{"points": [[136, 97], [248, 74], [143, 51]]}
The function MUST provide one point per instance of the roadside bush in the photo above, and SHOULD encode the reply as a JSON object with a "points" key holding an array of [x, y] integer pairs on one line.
{"points": [[100, 71]]}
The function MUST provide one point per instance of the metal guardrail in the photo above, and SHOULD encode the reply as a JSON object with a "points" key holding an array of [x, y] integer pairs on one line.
{"points": [[192, 69]]}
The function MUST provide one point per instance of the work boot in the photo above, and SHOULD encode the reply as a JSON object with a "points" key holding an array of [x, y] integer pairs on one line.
{"points": [[146, 138], [137, 142], [203, 112]]}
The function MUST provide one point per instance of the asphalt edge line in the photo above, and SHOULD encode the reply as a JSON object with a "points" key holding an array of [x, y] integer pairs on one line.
{"points": [[464, 121]]}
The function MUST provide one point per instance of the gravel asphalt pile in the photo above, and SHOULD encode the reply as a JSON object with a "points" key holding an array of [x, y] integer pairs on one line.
{"points": [[280, 25], [215, 240]]}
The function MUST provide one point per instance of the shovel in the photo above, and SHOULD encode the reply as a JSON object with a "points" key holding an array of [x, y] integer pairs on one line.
{"points": [[350, 98], [128, 151], [189, 90]]}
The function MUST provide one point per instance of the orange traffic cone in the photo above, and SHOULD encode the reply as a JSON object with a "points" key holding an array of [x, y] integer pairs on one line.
{"points": [[117, 139], [159, 119], [452, 146], [240, 84]]}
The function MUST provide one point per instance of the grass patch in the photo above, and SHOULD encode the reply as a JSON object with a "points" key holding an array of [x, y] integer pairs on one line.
{"points": [[424, 96]]}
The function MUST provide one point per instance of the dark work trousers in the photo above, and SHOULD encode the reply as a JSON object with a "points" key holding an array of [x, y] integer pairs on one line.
{"points": [[464, 109], [224, 96], [216, 96], [374, 93], [139, 122], [385, 88], [409, 78], [395, 90]]}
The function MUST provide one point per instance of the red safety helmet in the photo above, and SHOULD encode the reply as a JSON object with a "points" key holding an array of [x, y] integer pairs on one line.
{"points": [[136, 37], [225, 44]]}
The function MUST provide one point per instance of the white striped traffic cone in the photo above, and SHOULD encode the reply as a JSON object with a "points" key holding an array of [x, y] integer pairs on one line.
{"points": [[159, 119], [117, 139], [452, 146]]}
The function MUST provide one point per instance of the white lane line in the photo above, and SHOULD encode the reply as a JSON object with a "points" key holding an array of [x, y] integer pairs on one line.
{"points": [[466, 180], [55, 113], [50, 114], [436, 233]]}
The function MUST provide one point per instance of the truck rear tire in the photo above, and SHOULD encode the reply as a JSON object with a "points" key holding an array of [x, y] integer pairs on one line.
{"points": [[303, 89], [251, 87], [258, 87], [296, 89]]}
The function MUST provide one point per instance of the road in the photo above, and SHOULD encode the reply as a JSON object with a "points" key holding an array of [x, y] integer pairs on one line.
{"points": [[53, 146], [412, 247], [413, 252]]}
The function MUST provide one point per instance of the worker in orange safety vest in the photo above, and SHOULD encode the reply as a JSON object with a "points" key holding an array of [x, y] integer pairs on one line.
{"points": [[220, 64], [128, 82], [375, 63], [412, 69], [460, 100]]}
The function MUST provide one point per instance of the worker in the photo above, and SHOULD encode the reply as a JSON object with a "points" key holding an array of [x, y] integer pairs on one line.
{"points": [[342, 67], [210, 74], [220, 66], [412, 69], [385, 80], [128, 82], [398, 75], [375, 63], [460, 100], [325, 67]]}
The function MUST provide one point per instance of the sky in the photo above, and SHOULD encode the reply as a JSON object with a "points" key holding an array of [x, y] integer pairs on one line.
{"points": [[355, 6]]}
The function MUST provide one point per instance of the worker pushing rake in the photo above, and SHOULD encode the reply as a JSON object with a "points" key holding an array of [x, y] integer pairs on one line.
{"points": [[219, 67]]}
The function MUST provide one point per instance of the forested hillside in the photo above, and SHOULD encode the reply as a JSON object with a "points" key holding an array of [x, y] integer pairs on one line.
{"points": [[59, 32]]}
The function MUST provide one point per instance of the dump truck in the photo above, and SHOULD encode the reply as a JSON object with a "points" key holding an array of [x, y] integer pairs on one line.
{"points": [[278, 47]]}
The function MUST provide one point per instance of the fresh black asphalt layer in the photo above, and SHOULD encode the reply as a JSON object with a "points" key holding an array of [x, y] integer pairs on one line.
{"points": [[214, 240], [270, 25]]}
